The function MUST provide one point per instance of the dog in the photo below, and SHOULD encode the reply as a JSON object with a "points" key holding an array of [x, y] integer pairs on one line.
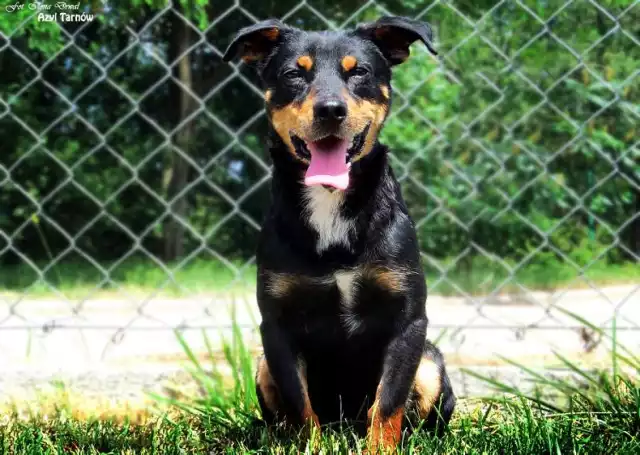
{"points": [[340, 286]]}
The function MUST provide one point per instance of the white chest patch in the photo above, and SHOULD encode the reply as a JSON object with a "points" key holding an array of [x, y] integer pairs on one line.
{"points": [[323, 212], [347, 280]]}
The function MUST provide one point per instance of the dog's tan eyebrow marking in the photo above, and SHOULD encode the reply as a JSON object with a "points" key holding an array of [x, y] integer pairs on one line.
{"points": [[385, 91], [349, 62], [267, 95], [305, 62]]}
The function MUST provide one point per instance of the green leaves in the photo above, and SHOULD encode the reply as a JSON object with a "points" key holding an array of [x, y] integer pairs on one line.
{"points": [[473, 132]]}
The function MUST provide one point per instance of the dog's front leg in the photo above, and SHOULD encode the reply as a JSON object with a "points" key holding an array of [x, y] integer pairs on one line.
{"points": [[287, 374], [400, 365]]}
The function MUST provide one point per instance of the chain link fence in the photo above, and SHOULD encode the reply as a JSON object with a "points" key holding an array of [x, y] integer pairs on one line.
{"points": [[134, 175]]}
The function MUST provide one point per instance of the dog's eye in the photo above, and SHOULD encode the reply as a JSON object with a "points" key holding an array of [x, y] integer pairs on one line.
{"points": [[292, 75], [359, 71]]}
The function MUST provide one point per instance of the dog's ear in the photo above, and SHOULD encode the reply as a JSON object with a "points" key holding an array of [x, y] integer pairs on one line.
{"points": [[255, 42], [394, 35]]}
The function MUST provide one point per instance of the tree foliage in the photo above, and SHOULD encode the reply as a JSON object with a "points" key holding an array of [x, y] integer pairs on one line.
{"points": [[518, 141]]}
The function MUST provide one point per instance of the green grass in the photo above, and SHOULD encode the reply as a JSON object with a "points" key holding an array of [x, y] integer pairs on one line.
{"points": [[599, 414], [508, 429], [134, 276]]}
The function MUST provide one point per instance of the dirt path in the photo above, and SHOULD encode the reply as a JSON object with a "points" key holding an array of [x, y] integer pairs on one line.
{"points": [[120, 348]]}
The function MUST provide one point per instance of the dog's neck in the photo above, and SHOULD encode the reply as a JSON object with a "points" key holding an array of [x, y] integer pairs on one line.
{"points": [[341, 221]]}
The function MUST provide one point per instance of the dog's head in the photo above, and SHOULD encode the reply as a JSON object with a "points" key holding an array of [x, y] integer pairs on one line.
{"points": [[328, 93]]}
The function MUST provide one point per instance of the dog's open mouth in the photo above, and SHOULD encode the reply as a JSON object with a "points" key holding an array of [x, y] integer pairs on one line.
{"points": [[329, 159]]}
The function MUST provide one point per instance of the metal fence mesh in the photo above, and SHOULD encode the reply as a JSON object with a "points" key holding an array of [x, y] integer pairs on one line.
{"points": [[146, 310]]}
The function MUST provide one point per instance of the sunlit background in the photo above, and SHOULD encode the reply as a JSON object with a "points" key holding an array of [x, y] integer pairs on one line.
{"points": [[134, 178]]}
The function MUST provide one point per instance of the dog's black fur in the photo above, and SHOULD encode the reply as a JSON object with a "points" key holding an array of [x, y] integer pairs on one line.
{"points": [[342, 301]]}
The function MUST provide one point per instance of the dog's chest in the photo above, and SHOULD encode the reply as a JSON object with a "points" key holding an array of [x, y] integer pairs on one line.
{"points": [[324, 215], [349, 284], [344, 303], [346, 281], [343, 310]]}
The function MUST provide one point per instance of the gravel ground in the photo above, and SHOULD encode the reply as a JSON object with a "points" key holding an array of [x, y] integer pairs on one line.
{"points": [[114, 351]]}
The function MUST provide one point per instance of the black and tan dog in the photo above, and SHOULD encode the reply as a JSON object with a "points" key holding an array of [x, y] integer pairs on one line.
{"points": [[341, 290]]}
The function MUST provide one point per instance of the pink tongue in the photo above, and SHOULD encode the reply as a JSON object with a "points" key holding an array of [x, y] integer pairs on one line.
{"points": [[328, 163]]}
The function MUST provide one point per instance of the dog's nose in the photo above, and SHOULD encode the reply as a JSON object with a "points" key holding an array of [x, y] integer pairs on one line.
{"points": [[330, 111]]}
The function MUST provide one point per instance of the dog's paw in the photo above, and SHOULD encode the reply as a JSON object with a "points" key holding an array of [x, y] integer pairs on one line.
{"points": [[375, 449], [380, 442]]}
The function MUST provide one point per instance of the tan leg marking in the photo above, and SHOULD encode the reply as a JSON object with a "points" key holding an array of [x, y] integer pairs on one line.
{"points": [[427, 386], [384, 435]]}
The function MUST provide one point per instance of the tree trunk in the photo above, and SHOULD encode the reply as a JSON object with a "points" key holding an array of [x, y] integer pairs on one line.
{"points": [[178, 169], [630, 235], [633, 234]]}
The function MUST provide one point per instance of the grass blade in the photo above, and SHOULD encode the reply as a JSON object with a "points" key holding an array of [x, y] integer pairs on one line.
{"points": [[600, 331], [511, 390]]}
